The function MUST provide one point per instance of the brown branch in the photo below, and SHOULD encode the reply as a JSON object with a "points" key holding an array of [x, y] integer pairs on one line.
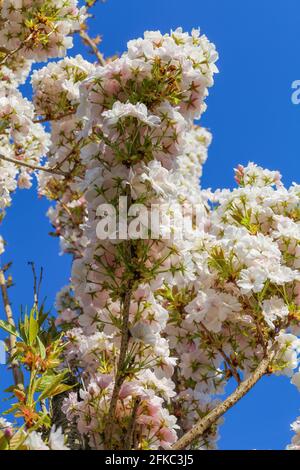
{"points": [[55, 118], [91, 43], [176, 405], [11, 53], [17, 373], [37, 281], [261, 336], [121, 373], [203, 424], [128, 442], [33, 167], [74, 150], [226, 358]]}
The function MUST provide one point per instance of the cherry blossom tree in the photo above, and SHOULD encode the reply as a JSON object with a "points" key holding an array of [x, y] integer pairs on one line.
{"points": [[156, 319]]}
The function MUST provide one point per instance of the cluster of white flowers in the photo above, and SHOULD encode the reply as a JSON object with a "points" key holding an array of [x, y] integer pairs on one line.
{"points": [[56, 439], [56, 86], [203, 307], [196, 143], [127, 145], [155, 326], [39, 29], [20, 139], [56, 97], [30, 31]]}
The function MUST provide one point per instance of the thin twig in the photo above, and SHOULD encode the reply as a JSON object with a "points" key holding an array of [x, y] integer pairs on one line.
{"points": [[91, 43], [36, 283], [205, 423], [226, 358], [74, 150], [17, 49], [54, 118], [121, 374], [128, 441], [261, 336], [17, 373], [176, 405], [33, 167], [40, 283]]}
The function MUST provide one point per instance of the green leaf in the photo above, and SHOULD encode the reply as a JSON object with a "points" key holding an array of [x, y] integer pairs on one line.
{"points": [[61, 389], [26, 328], [33, 327], [9, 328], [44, 382], [41, 348], [54, 381], [3, 443], [18, 439], [12, 409], [45, 420]]}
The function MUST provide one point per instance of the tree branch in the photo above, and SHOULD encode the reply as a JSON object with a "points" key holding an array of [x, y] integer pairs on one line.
{"points": [[17, 373], [204, 423], [91, 43], [11, 53], [54, 118], [74, 150], [120, 374], [226, 358], [131, 426], [33, 167]]}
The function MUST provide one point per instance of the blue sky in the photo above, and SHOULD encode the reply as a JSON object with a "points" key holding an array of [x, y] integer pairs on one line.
{"points": [[252, 119]]}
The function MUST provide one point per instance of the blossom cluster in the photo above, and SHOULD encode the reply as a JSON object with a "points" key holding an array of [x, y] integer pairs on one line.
{"points": [[39, 29], [30, 31], [138, 112], [56, 97], [200, 309], [154, 327], [35, 441]]}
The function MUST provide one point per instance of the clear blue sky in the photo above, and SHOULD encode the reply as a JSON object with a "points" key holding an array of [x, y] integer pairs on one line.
{"points": [[252, 118]]}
